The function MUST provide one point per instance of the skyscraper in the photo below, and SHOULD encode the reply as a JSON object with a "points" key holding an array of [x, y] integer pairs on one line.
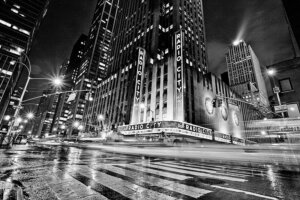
{"points": [[19, 22], [158, 77], [96, 56], [245, 74], [292, 17]]}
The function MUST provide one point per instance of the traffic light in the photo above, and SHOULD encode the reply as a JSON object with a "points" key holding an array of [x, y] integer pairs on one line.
{"points": [[214, 103]]}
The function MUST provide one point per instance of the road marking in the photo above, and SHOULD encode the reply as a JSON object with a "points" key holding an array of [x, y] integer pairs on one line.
{"points": [[197, 173], [170, 185], [246, 192], [123, 187], [153, 171], [197, 169]]}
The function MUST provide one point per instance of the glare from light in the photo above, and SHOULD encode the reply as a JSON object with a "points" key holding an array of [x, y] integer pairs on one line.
{"points": [[271, 72], [76, 124], [142, 106], [265, 118], [54, 129], [100, 117], [13, 62], [80, 127], [7, 118], [292, 109], [29, 132], [30, 115], [25, 121], [91, 98], [63, 127], [263, 132], [19, 119], [21, 127], [57, 81], [236, 42]]}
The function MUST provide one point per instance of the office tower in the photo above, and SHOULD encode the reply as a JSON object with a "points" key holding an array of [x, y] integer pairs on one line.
{"points": [[292, 18], [19, 23], [75, 60], [158, 77], [245, 74], [96, 57]]}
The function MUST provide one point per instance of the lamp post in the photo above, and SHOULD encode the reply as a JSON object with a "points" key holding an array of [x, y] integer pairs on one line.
{"points": [[276, 90], [56, 81]]}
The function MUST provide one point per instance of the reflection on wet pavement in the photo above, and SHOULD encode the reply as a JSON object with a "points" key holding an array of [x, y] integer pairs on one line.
{"points": [[72, 173]]}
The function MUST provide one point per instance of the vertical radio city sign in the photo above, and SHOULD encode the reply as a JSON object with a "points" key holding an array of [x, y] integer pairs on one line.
{"points": [[139, 75], [179, 75], [179, 65]]}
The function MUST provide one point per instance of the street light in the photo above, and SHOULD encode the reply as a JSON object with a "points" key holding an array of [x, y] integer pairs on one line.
{"points": [[276, 90], [76, 124], [100, 117], [57, 81], [271, 72], [30, 115], [7, 117]]}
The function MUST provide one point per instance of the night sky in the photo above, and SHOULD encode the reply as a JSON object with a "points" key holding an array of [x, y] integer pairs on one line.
{"points": [[259, 22]]}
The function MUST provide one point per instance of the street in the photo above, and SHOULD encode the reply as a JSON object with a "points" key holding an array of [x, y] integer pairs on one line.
{"points": [[55, 172]]}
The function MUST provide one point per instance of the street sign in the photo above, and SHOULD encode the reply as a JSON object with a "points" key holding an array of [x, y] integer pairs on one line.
{"points": [[276, 89], [280, 108]]}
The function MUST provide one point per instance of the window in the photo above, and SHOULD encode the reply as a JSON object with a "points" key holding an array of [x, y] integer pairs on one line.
{"points": [[285, 85]]}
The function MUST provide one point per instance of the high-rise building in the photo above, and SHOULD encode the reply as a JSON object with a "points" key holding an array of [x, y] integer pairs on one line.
{"points": [[158, 79], [19, 23], [75, 60], [246, 74], [96, 56], [292, 18]]}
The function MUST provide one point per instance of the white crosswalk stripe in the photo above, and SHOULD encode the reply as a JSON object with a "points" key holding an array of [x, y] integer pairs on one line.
{"points": [[121, 186], [170, 185], [199, 169], [158, 172], [201, 174]]}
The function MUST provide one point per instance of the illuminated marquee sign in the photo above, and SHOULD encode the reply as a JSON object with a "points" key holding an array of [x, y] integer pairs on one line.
{"points": [[179, 65], [221, 137], [167, 126], [139, 75]]}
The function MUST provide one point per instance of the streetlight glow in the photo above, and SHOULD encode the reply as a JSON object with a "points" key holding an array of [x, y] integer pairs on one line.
{"points": [[30, 115], [76, 124], [100, 117], [271, 72], [57, 81], [142, 105], [7, 118], [19, 119]]}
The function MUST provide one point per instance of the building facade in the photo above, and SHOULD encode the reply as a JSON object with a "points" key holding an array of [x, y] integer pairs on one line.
{"points": [[96, 57], [292, 18], [158, 75], [19, 23], [286, 79], [246, 75]]}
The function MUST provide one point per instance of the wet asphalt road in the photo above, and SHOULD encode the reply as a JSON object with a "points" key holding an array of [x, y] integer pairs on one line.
{"points": [[73, 173]]}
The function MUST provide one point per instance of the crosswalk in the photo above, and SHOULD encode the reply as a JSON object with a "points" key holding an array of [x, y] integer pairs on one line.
{"points": [[119, 177], [145, 181]]}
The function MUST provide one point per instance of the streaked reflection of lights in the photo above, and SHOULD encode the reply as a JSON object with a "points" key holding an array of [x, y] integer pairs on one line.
{"points": [[275, 182]]}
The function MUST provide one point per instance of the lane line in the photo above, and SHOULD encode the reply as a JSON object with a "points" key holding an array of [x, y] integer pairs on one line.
{"points": [[246, 192], [154, 181], [169, 169]]}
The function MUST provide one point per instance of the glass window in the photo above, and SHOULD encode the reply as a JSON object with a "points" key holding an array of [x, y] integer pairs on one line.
{"points": [[285, 85]]}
